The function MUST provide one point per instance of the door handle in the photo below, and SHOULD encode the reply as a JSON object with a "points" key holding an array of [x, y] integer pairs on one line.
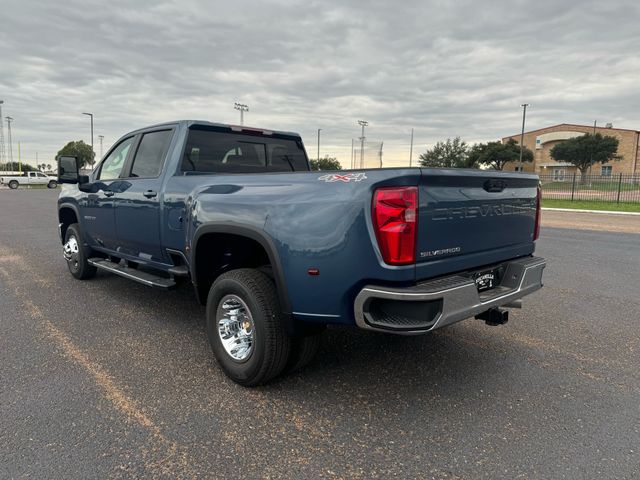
{"points": [[108, 193], [150, 193]]}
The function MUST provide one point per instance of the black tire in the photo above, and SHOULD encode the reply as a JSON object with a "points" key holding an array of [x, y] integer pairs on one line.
{"points": [[13, 184], [270, 346], [78, 265], [52, 184], [302, 352]]}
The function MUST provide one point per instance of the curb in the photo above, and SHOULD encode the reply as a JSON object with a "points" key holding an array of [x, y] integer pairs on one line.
{"points": [[575, 210]]}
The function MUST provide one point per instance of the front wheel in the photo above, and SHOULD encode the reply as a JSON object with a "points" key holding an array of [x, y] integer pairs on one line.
{"points": [[75, 255], [13, 184], [245, 327], [52, 184]]}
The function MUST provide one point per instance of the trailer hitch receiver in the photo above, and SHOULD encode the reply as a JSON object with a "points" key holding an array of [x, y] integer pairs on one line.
{"points": [[494, 316]]}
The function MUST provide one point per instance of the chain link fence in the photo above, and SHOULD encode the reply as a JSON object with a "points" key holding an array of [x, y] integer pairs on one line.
{"points": [[618, 188]]}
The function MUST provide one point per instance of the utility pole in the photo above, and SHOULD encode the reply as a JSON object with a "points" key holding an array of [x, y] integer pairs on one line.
{"points": [[411, 148], [100, 139], [363, 124], [380, 153], [243, 108], [19, 159], [2, 154], [594, 126], [319, 130], [93, 154], [524, 115], [9, 120]]}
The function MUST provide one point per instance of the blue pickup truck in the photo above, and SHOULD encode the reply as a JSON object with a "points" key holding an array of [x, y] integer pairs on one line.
{"points": [[276, 252]]}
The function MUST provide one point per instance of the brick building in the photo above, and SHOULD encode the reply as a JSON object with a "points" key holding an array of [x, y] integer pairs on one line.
{"points": [[541, 141]]}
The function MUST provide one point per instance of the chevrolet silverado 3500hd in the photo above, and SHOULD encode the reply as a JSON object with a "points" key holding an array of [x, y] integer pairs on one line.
{"points": [[277, 252]]}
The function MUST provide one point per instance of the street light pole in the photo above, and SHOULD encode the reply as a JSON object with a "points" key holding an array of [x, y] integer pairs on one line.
{"points": [[100, 138], [93, 155], [363, 124], [524, 115], [243, 108], [319, 130], [353, 156], [411, 148], [9, 120], [2, 154], [595, 122]]}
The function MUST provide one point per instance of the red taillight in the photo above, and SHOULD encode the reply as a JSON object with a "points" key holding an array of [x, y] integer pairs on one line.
{"points": [[536, 228], [395, 220]]}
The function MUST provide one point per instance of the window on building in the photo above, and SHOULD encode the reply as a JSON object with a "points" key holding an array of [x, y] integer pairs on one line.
{"points": [[605, 170], [519, 168], [558, 174]]}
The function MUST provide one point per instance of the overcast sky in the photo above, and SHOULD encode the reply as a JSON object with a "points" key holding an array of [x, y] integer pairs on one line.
{"points": [[444, 68]]}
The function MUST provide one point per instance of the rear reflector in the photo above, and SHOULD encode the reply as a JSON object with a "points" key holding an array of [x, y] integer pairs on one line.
{"points": [[536, 230], [395, 217]]}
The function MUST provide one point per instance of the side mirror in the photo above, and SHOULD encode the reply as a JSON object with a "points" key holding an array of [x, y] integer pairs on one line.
{"points": [[69, 170]]}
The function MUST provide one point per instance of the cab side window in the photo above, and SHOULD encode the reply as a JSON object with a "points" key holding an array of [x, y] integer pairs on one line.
{"points": [[151, 153], [114, 163]]}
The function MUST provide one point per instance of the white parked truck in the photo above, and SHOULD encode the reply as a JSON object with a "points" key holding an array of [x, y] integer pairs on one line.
{"points": [[29, 178]]}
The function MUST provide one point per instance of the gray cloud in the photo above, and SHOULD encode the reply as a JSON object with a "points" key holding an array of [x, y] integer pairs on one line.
{"points": [[443, 68]]}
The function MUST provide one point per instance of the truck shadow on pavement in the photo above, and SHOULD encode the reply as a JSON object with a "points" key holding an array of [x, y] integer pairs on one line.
{"points": [[362, 362]]}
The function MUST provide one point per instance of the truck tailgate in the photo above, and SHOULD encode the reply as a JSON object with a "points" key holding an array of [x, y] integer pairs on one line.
{"points": [[472, 218]]}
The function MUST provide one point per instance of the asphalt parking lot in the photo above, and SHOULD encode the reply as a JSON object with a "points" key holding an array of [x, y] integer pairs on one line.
{"points": [[107, 379]]}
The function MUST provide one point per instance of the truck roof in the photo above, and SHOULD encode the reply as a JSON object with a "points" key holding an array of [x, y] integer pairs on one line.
{"points": [[190, 123]]}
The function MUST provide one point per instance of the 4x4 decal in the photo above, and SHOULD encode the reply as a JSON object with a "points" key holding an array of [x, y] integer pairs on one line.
{"points": [[343, 177]]}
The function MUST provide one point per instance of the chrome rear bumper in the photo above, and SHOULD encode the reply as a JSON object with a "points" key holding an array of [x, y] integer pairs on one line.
{"points": [[443, 301]]}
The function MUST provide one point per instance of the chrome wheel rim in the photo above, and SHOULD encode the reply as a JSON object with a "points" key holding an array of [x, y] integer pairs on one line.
{"points": [[71, 249], [235, 327]]}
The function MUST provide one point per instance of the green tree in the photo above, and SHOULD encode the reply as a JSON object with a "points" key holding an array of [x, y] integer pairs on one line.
{"points": [[325, 163], [450, 154], [497, 154], [585, 151], [48, 166], [79, 149], [15, 167]]}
